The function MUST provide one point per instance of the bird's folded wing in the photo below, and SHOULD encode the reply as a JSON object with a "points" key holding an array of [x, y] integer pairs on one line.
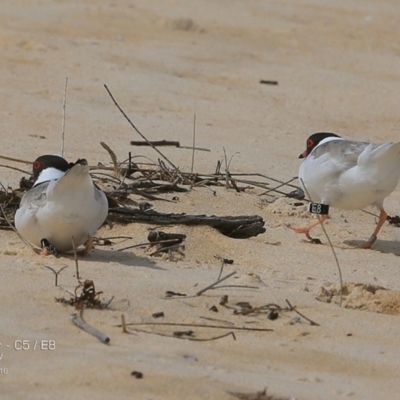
{"points": [[35, 198], [74, 179], [340, 154]]}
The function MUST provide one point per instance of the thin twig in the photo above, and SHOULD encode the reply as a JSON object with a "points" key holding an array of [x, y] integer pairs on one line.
{"points": [[331, 245], [16, 160], [186, 337], [137, 130], [164, 249], [76, 258], [113, 237], [113, 157], [211, 338], [227, 173], [78, 321], [133, 246], [226, 168], [109, 302], [218, 320], [200, 292], [15, 230], [15, 169], [239, 286], [56, 273], [277, 187], [230, 160], [238, 328], [173, 143], [123, 324], [292, 308], [222, 267], [194, 142], [147, 243], [63, 117]]}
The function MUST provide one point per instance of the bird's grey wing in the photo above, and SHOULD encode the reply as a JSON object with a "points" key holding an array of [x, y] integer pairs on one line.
{"points": [[341, 153], [35, 197]]}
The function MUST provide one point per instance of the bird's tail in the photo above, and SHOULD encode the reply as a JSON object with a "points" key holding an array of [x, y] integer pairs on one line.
{"points": [[76, 182], [386, 153]]}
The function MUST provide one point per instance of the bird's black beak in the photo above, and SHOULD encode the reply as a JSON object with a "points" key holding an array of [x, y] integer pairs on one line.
{"points": [[303, 154]]}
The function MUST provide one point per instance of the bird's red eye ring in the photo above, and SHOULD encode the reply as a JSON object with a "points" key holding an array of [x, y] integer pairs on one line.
{"points": [[37, 164], [310, 143]]}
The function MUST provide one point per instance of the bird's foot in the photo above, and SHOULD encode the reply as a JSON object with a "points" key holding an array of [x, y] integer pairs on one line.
{"points": [[369, 243], [47, 248], [88, 246], [306, 231]]}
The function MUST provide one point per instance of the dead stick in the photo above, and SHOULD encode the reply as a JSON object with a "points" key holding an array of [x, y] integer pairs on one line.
{"points": [[15, 169], [123, 324], [194, 142], [76, 258], [218, 320], [301, 315], [164, 249], [200, 292], [239, 286], [277, 187], [76, 320], [331, 245], [56, 273], [155, 143], [15, 230], [187, 337], [211, 338], [239, 328], [194, 148], [147, 243], [63, 117], [113, 237], [113, 157], [222, 267], [137, 130], [166, 143], [16, 160]]}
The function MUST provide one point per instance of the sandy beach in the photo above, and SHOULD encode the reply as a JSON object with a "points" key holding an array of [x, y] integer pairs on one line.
{"points": [[335, 65]]}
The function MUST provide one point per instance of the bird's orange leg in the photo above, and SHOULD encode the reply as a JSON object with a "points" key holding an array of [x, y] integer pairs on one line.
{"points": [[306, 229], [47, 248], [88, 247], [381, 221], [45, 252]]}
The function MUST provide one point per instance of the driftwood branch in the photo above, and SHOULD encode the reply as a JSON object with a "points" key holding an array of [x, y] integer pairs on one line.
{"points": [[232, 226], [165, 143], [78, 321]]}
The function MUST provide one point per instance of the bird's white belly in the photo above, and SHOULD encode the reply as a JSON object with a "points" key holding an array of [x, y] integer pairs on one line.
{"points": [[59, 225], [351, 190]]}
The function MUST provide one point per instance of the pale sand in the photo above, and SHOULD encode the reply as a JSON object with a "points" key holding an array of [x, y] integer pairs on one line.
{"points": [[337, 68]]}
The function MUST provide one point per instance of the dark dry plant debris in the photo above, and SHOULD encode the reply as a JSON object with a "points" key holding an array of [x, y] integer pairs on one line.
{"points": [[85, 297], [257, 396]]}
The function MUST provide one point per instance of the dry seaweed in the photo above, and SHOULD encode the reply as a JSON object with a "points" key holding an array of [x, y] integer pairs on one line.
{"points": [[85, 296], [257, 396]]}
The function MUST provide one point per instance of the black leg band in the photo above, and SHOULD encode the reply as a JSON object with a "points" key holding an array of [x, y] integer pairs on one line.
{"points": [[47, 245], [318, 208]]}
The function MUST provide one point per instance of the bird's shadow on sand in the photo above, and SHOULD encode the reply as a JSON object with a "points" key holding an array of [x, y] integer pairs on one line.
{"points": [[383, 246], [126, 258]]}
